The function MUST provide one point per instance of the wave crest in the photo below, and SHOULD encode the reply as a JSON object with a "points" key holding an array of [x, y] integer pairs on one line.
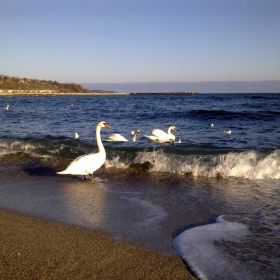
{"points": [[248, 164]]}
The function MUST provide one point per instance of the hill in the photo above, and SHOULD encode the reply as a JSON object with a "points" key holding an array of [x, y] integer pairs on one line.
{"points": [[25, 84]]}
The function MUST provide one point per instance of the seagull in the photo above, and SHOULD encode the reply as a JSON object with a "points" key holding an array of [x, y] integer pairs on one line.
{"points": [[7, 107], [211, 124], [77, 135], [227, 131]]}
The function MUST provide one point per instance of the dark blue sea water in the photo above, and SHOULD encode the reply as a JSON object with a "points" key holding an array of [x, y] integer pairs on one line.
{"points": [[242, 169]]}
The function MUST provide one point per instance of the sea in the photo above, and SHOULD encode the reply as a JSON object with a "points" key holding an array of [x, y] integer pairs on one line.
{"points": [[212, 196]]}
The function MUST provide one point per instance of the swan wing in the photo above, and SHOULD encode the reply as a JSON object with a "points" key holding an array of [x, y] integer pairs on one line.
{"points": [[160, 134], [151, 137], [85, 165]]}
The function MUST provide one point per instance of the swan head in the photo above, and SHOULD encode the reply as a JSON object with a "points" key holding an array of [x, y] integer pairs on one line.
{"points": [[172, 127], [136, 132], [103, 124]]}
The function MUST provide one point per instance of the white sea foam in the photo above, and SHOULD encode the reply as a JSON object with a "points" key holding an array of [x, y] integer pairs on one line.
{"points": [[249, 164], [207, 261], [116, 162]]}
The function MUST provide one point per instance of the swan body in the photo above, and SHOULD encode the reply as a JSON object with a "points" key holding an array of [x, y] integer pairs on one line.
{"points": [[134, 134], [117, 138], [87, 164], [161, 136]]}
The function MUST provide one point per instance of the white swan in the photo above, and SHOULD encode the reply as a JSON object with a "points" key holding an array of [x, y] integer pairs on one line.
{"points": [[87, 164], [134, 134], [117, 138], [161, 136]]}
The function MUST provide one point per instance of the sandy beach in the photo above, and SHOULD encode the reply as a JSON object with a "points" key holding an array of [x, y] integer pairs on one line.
{"points": [[32, 248], [35, 243]]}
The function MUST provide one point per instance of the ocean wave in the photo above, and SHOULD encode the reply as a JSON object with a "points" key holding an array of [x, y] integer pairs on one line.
{"points": [[229, 115], [192, 160], [249, 164]]}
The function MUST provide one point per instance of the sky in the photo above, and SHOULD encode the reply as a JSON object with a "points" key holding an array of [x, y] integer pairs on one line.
{"points": [[147, 45]]}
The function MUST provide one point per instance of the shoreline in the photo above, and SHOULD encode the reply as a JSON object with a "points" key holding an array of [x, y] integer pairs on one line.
{"points": [[36, 248], [53, 93]]}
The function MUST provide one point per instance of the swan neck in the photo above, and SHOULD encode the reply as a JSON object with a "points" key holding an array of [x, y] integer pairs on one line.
{"points": [[134, 136], [169, 131], [98, 140]]}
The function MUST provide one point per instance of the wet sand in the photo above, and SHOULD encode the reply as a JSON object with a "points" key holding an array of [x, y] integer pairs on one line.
{"points": [[32, 248], [59, 227]]}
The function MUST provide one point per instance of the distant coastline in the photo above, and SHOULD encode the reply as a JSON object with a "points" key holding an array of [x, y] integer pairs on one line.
{"points": [[55, 93], [24, 86]]}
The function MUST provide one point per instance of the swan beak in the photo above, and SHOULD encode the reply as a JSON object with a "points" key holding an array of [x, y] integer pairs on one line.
{"points": [[175, 130], [107, 125]]}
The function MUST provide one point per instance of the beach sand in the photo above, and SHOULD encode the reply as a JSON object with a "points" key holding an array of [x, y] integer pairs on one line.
{"points": [[32, 248]]}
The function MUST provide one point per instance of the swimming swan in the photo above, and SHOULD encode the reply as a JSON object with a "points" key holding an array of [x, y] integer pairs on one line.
{"points": [[161, 136], [117, 138], [134, 134], [87, 164]]}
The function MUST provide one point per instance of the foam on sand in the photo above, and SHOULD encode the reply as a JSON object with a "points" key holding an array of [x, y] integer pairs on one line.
{"points": [[196, 246]]}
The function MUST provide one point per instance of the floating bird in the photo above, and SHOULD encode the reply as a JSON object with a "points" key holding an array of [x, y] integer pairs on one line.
{"points": [[211, 124], [159, 135], [7, 107], [77, 135], [116, 137], [87, 164], [227, 131], [134, 134]]}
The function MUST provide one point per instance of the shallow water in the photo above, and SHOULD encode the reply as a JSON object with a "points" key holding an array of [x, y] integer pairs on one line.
{"points": [[154, 192]]}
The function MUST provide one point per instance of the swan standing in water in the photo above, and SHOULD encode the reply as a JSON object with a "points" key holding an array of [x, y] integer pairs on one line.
{"points": [[87, 164], [159, 135]]}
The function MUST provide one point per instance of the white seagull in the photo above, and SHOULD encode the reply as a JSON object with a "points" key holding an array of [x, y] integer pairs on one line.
{"points": [[77, 135], [87, 164], [227, 131], [7, 107]]}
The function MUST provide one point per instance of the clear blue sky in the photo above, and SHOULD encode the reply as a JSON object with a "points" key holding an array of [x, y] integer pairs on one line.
{"points": [[140, 41]]}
